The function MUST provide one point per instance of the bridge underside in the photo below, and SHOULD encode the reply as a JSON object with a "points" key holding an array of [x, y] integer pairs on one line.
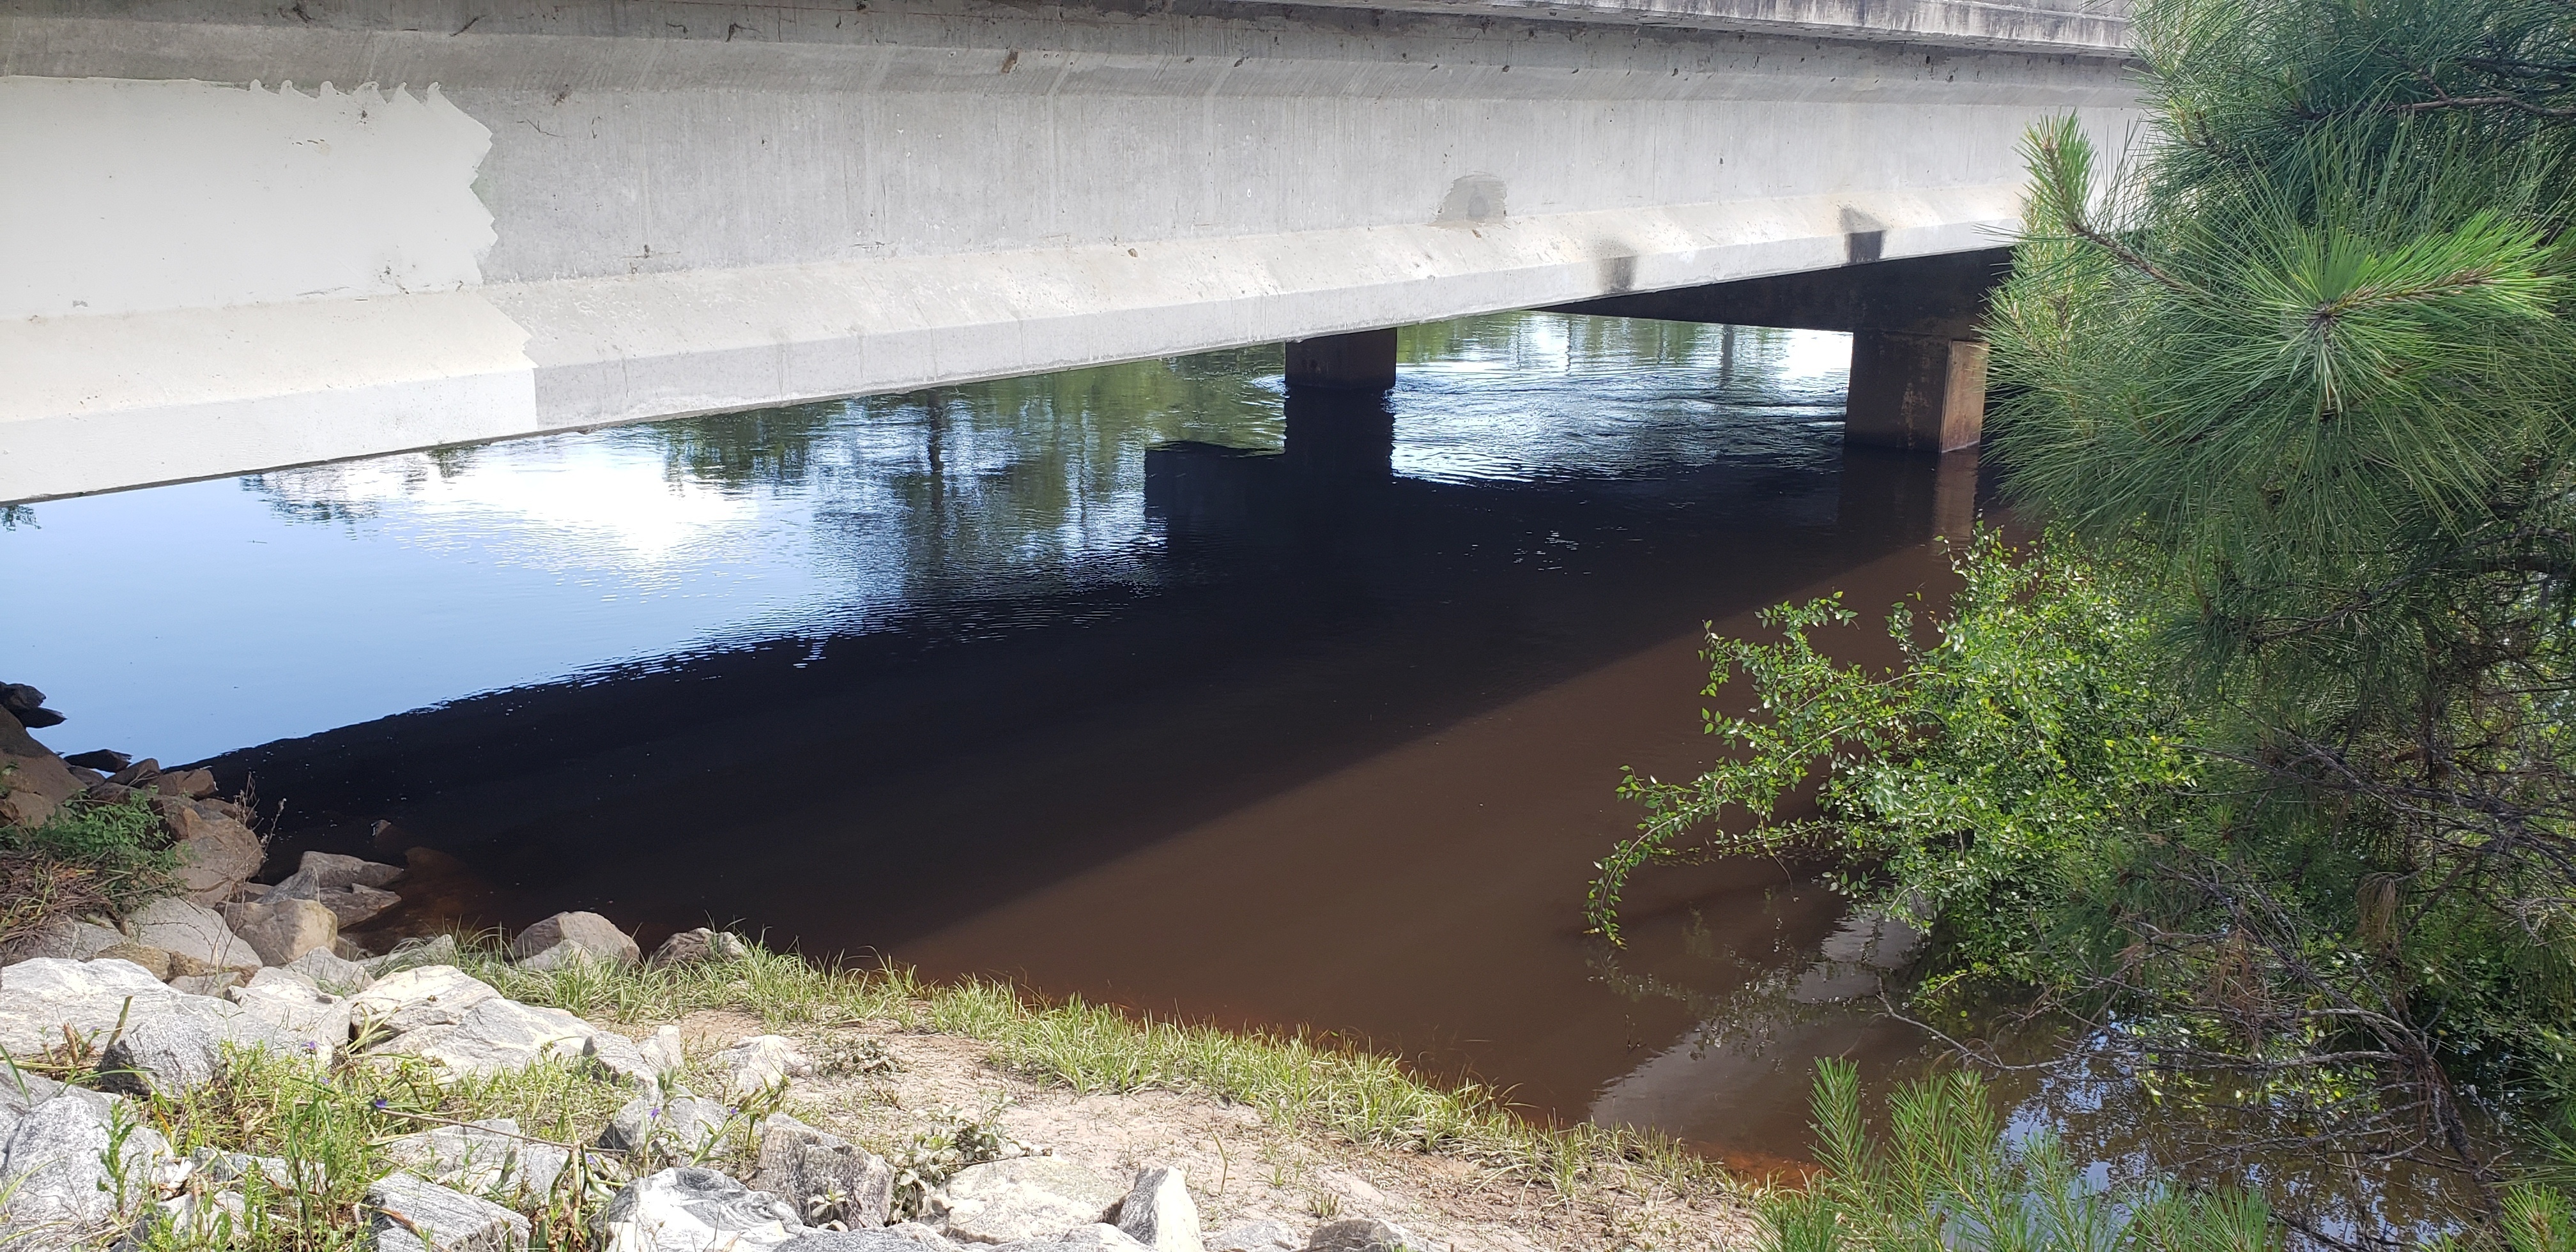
{"points": [[239, 237]]}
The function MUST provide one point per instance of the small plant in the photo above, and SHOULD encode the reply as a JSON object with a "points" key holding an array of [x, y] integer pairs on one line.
{"points": [[861, 1056], [929, 1158]]}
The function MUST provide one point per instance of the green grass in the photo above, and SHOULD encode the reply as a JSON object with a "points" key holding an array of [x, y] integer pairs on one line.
{"points": [[91, 856], [1291, 1079]]}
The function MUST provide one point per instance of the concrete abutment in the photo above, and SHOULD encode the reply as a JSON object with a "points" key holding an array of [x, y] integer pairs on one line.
{"points": [[1360, 361]]}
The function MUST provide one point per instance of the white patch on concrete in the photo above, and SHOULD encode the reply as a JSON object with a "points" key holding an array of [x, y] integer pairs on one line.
{"points": [[95, 403], [122, 196]]}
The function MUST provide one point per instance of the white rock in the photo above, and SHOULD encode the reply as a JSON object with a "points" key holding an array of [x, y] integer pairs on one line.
{"points": [[620, 1056], [1159, 1213], [192, 931], [412, 999], [909, 1237], [759, 1063], [488, 1158], [695, 1210], [331, 871], [331, 973], [673, 1124], [288, 1000], [54, 1168], [414, 1214], [1029, 1197], [493, 1036], [39, 999]]}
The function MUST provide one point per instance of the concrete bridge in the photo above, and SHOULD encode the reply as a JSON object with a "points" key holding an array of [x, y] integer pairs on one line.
{"points": [[236, 236]]}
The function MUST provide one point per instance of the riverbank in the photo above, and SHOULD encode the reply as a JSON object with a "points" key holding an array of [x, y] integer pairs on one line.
{"points": [[336, 1070]]}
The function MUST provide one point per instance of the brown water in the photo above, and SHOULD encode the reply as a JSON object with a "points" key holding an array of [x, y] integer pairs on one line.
{"points": [[1144, 683]]}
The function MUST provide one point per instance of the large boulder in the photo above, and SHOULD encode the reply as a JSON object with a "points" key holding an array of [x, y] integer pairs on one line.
{"points": [[826, 1177], [1159, 1213], [33, 781], [42, 999], [487, 1158], [759, 1063], [281, 929], [413, 1215], [200, 934], [217, 854], [331, 871], [497, 1035], [62, 1182], [1029, 1197], [857, 1241], [292, 1002], [176, 1049], [567, 937], [414, 999], [687, 1209]]}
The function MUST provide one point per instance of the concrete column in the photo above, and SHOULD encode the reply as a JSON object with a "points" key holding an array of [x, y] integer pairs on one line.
{"points": [[1359, 361], [1922, 392]]}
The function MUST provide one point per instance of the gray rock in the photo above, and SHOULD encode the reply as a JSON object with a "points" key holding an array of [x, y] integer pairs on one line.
{"points": [[1362, 1234], [217, 854], [695, 1210], [1030, 1197], [282, 928], [622, 1057], [350, 905], [178, 1049], [333, 871], [826, 1177], [191, 784], [673, 1125], [488, 1158], [589, 935], [691, 947], [214, 984], [1159, 1213], [1255, 1236], [193, 931], [410, 1212], [331, 973], [289, 1000], [54, 1167], [62, 937], [759, 1063]]}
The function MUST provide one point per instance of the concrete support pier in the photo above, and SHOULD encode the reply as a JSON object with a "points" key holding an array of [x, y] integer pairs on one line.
{"points": [[1360, 361], [1926, 393]]}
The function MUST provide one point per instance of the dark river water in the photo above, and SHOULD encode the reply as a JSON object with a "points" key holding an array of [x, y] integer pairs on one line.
{"points": [[1146, 682]]}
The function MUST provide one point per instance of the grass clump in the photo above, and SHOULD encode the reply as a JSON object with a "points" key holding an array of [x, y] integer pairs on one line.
{"points": [[1292, 1079], [92, 856]]}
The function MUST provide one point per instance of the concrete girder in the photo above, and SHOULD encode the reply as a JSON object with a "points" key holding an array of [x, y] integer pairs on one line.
{"points": [[466, 223]]}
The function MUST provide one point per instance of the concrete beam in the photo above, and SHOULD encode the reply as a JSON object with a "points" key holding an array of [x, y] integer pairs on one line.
{"points": [[468, 222], [1942, 295]]}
